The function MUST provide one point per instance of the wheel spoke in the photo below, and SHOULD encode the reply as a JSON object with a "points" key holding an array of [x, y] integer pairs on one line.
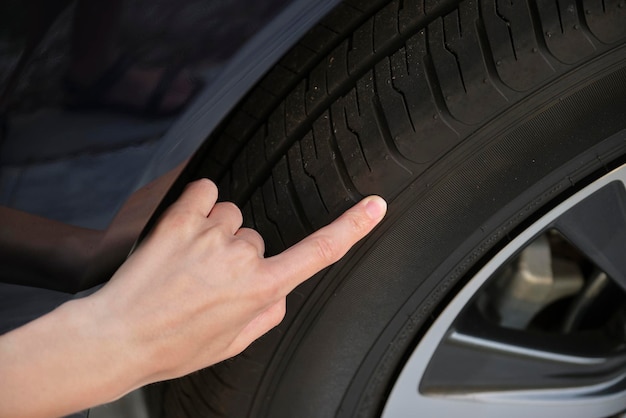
{"points": [[597, 227], [540, 330], [479, 356]]}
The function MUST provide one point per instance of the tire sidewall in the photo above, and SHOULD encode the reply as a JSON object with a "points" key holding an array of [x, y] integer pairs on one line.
{"points": [[346, 346]]}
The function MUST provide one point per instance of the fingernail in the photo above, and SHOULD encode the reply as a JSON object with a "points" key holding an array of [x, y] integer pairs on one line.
{"points": [[375, 207]]}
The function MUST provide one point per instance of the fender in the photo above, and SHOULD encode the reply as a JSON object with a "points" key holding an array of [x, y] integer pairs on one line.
{"points": [[244, 70], [124, 214]]}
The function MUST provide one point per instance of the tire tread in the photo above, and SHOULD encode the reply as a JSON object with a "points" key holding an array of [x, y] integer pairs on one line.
{"points": [[365, 103]]}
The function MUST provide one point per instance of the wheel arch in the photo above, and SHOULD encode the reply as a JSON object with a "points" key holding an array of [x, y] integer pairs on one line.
{"points": [[247, 67]]}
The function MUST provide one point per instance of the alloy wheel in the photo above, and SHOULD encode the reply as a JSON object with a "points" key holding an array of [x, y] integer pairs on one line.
{"points": [[540, 330]]}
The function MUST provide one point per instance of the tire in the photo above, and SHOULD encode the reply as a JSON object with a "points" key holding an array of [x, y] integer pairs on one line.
{"points": [[472, 118]]}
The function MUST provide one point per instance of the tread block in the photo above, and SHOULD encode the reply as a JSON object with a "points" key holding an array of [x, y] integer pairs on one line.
{"points": [[322, 162], [370, 156], [288, 212], [318, 38], [248, 216], [279, 75], [185, 390], [510, 31], [299, 57], [256, 101], [240, 125], [563, 33], [386, 25], [468, 90], [281, 216], [393, 102], [411, 12], [362, 45], [317, 88], [225, 151], [276, 134], [268, 229], [348, 142], [423, 134], [431, 6], [295, 107], [306, 188], [336, 20], [362, 5], [239, 176], [232, 186], [606, 19], [337, 67]]}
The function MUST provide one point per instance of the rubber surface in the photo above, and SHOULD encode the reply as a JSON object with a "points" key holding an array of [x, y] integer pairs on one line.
{"points": [[395, 99]]}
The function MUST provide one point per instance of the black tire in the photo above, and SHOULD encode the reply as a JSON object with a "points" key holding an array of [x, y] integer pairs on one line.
{"points": [[471, 118]]}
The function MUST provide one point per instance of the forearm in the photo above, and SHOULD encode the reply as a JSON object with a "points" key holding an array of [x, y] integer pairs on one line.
{"points": [[71, 359]]}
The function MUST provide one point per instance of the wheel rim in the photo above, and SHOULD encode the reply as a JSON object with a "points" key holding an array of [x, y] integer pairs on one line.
{"points": [[540, 329]]}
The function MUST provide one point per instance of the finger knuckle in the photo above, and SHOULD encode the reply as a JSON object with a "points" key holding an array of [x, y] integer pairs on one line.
{"points": [[231, 211], [245, 247], [176, 221], [253, 238], [231, 208], [204, 184], [327, 249], [357, 223], [270, 290], [250, 232]]}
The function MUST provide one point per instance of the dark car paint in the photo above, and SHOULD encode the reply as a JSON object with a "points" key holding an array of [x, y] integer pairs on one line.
{"points": [[122, 193]]}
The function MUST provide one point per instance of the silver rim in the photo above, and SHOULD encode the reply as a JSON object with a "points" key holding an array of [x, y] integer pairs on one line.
{"points": [[534, 333]]}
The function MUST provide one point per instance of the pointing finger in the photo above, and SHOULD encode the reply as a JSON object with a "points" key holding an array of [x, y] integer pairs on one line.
{"points": [[329, 244]]}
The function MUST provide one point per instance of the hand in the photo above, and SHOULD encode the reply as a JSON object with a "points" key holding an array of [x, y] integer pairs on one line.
{"points": [[198, 290]]}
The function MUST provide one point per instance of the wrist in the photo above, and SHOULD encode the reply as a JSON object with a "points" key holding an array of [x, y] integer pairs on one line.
{"points": [[117, 357], [71, 359]]}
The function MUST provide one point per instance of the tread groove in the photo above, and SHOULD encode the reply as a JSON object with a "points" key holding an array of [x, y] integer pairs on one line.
{"points": [[356, 135], [205, 403], [283, 240], [433, 80], [508, 26], [536, 19], [446, 45], [442, 9], [387, 137], [488, 54], [559, 15], [340, 165], [317, 189], [402, 93], [359, 134], [297, 205]]}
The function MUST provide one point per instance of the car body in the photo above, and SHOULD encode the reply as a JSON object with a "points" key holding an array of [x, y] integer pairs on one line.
{"points": [[234, 46], [494, 129]]}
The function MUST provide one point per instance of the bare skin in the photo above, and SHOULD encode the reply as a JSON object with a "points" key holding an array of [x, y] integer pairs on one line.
{"points": [[196, 292]]}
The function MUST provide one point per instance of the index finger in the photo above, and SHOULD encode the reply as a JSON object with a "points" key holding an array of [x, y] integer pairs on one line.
{"points": [[327, 245]]}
